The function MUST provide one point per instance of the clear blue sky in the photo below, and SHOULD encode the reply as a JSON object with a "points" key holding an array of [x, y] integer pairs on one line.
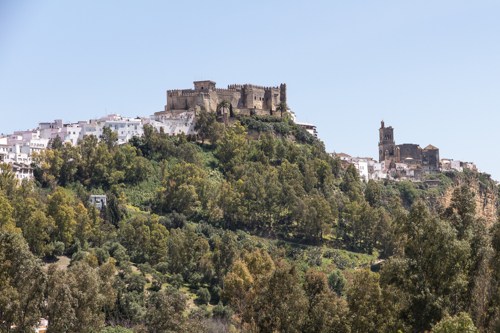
{"points": [[431, 69]]}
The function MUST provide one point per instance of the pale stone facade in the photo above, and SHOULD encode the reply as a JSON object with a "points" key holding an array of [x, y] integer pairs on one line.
{"points": [[243, 98]]}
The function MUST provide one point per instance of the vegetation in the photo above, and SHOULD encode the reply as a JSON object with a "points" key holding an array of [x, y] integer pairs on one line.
{"points": [[251, 227]]}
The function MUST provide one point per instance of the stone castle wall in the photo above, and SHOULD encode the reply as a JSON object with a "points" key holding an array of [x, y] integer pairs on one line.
{"points": [[207, 96]]}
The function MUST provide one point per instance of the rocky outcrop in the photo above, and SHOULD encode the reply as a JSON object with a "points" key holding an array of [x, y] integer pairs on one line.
{"points": [[486, 195]]}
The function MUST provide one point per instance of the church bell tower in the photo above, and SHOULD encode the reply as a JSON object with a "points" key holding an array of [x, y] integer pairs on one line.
{"points": [[386, 144]]}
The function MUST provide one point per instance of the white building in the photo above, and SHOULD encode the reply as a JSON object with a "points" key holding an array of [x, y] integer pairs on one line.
{"points": [[125, 128], [4, 149], [66, 132], [448, 164], [173, 123], [362, 167]]}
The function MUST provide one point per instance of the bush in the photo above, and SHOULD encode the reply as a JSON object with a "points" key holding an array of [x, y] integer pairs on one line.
{"points": [[162, 267], [221, 312], [57, 248], [203, 296], [336, 282], [101, 254], [176, 280]]}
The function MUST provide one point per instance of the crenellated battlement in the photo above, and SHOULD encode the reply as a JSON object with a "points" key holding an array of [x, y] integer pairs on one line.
{"points": [[186, 93], [222, 90], [250, 86]]}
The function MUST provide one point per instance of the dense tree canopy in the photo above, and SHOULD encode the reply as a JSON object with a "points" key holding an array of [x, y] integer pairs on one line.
{"points": [[250, 226]]}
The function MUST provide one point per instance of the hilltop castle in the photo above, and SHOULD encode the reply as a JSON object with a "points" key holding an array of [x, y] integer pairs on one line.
{"points": [[426, 159], [243, 99]]}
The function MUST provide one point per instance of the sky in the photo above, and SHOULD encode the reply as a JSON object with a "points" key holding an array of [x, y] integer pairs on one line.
{"points": [[430, 69]]}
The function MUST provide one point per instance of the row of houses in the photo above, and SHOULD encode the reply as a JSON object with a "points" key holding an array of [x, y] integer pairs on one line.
{"points": [[17, 149], [370, 169]]}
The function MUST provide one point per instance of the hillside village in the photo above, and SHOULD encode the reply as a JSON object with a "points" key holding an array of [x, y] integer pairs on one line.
{"points": [[145, 229], [178, 117], [396, 162], [406, 161]]}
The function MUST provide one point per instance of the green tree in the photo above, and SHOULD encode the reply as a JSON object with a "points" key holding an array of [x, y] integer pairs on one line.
{"points": [[7, 222], [223, 109], [22, 284], [206, 126], [76, 297], [165, 312], [373, 193], [280, 303], [326, 311], [431, 289], [144, 238], [372, 309], [460, 323], [231, 148], [462, 211], [282, 108], [179, 192], [314, 217], [60, 209], [351, 184], [109, 137], [8, 181], [37, 231]]}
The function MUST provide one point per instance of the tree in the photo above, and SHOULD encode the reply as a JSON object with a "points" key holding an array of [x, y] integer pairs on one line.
{"points": [[145, 239], [462, 211], [314, 218], [238, 284], [231, 147], [280, 302], [8, 181], [282, 107], [372, 308], [358, 227], [351, 184], [22, 284], [37, 231], [223, 110], [206, 126], [460, 323], [76, 297], [373, 193], [109, 137], [60, 209], [7, 222], [326, 311], [431, 289], [165, 312], [179, 192]]}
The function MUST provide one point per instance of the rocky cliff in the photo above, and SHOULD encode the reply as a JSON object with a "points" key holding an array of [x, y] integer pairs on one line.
{"points": [[486, 194]]}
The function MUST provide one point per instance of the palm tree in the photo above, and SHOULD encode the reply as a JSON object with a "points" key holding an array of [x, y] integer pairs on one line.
{"points": [[282, 107], [222, 109]]}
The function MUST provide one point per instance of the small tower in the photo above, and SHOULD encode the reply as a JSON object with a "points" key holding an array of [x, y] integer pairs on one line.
{"points": [[283, 92], [386, 144]]}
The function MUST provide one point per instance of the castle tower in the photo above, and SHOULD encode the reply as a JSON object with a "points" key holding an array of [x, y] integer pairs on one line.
{"points": [[386, 144], [283, 92]]}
